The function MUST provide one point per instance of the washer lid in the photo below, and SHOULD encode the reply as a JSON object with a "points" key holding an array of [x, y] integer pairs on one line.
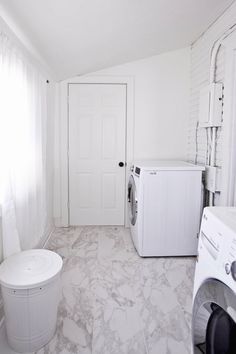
{"points": [[29, 269], [167, 165]]}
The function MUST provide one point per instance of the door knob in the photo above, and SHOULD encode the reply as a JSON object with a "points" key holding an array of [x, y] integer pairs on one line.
{"points": [[121, 164]]}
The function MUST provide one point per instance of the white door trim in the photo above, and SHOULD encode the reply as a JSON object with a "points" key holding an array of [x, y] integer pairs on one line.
{"points": [[228, 192], [64, 135]]}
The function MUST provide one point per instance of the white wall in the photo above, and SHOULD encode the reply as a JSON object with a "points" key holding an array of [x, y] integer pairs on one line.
{"points": [[200, 71], [157, 101], [161, 103]]}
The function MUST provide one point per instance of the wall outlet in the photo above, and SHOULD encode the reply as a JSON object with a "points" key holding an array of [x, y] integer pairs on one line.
{"points": [[212, 178]]}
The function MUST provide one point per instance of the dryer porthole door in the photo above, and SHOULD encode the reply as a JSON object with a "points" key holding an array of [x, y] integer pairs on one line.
{"points": [[132, 201], [214, 319]]}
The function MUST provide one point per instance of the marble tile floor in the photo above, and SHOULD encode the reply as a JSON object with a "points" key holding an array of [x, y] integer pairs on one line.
{"points": [[115, 302]]}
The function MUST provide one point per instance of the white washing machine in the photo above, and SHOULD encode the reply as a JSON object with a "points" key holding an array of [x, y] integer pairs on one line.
{"points": [[164, 202], [214, 305]]}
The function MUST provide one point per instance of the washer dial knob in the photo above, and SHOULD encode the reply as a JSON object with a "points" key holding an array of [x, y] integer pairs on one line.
{"points": [[233, 270]]}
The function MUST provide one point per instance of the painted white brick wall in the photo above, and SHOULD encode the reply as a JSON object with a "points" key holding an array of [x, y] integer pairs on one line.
{"points": [[200, 71]]}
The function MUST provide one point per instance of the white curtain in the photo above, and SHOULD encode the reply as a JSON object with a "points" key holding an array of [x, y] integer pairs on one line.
{"points": [[22, 149]]}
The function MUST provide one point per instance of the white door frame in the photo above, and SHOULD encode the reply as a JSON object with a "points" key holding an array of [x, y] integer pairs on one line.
{"points": [[228, 192], [64, 135]]}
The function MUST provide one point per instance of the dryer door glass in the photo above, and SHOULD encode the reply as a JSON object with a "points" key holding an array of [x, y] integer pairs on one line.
{"points": [[132, 201], [214, 316]]}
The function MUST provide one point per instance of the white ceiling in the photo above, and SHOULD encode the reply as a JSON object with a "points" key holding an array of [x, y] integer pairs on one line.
{"points": [[80, 36]]}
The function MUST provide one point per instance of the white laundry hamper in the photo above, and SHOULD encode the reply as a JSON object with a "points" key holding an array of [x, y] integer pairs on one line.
{"points": [[31, 289]]}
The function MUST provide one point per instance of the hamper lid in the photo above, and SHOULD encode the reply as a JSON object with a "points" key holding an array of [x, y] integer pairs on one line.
{"points": [[30, 269]]}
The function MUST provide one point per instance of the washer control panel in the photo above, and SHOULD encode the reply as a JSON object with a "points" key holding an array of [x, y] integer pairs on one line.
{"points": [[230, 265], [232, 251], [217, 244]]}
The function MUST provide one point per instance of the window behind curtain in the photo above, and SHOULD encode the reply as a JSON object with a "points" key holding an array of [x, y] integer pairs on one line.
{"points": [[23, 114]]}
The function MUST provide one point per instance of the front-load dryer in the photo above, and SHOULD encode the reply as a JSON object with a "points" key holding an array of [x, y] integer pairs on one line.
{"points": [[164, 203], [214, 297], [134, 199]]}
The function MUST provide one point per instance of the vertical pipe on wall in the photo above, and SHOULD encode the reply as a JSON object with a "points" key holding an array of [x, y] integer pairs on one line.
{"points": [[213, 146], [212, 159], [213, 130]]}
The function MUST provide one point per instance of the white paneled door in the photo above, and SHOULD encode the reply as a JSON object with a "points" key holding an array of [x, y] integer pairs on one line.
{"points": [[97, 145]]}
